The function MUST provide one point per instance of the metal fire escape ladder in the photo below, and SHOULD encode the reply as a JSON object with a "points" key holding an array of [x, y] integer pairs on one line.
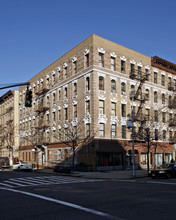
{"points": [[138, 96]]}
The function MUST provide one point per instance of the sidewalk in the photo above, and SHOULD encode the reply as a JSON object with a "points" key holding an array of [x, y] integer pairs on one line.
{"points": [[119, 175]]}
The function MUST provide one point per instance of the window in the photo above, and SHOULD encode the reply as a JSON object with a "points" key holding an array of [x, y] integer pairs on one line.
{"points": [[164, 135], [163, 80], [54, 116], [163, 99], [54, 78], [75, 89], [88, 130], [113, 86], [59, 75], [113, 63], [59, 114], [170, 101], [47, 82], [65, 114], [133, 109], [47, 117], [132, 93], [54, 97], [102, 129], [75, 67], [132, 68], [122, 66], [139, 72], [155, 77], [164, 117], [75, 111], [113, 131], [147, 74], [147, 94], [170, 117], [101, 59], [123, 110], [147, 114], [174, 84], [59, 94], [101, 107], [124, 131], [113, 109], [65, 91], [123, 88], [155, 115], [87, 60], [88, 107], [155, 97], [156, 134], [65, 72], [87, 84], [101, 83], [169, 83]]}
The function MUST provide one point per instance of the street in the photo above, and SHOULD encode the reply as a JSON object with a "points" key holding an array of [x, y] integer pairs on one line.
{"points": [[36, 196]]}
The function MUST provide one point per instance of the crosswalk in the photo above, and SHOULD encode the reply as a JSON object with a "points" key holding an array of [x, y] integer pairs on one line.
{"points": [[43, 180]]}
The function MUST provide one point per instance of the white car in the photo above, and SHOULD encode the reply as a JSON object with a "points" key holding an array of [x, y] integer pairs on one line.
{"points": [[20, 165]]}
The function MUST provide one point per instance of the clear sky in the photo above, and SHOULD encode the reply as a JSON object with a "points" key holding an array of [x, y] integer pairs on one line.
{"points": [[34, 33]]}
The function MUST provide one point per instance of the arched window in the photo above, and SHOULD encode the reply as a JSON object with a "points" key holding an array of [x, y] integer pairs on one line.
{"points": [[155, 97], [113, 85], [123, 88], [101, 83]]}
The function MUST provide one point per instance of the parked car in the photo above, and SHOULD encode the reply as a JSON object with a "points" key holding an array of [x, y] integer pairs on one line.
{"points": [[20, 165], [60, 168], [4, 162], [165, 170]]}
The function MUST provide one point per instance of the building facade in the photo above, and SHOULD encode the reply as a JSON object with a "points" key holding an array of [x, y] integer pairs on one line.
{"points": [[92, 90], [9, 125]]}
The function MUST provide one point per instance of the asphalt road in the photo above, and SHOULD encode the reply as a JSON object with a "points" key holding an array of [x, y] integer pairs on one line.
{"points": [[76, 198]]}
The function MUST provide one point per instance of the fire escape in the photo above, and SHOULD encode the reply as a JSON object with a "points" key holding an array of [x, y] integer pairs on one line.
{"points": [[136, 95], [41, 109], [172, 119]]}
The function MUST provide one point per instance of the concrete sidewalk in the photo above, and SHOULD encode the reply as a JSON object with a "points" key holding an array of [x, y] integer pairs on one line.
{"points": [[120, 174]]}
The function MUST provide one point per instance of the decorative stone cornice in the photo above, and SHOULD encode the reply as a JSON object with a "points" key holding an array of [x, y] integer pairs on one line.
{"points": [[102, 119]]}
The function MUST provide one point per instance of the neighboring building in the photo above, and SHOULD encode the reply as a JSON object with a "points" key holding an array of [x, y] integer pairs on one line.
{"points": [[9, 125], [97, 84]]}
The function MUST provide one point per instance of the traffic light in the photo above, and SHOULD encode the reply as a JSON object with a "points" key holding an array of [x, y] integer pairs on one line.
{"points": [[28, 98]]}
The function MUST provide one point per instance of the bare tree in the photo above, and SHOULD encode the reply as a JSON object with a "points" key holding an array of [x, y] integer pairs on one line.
{"points": [[74, 135]]}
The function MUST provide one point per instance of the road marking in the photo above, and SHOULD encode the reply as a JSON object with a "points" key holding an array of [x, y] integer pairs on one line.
{"points": [[82, 208], [164, 183], [44, 180], [18, 184], [5, 184]]}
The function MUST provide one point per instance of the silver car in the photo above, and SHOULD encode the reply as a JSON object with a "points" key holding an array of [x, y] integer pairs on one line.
{"points": [[20, 165]]}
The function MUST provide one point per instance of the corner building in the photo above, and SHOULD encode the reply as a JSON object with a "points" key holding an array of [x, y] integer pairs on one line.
{"points": [[93, 84]]}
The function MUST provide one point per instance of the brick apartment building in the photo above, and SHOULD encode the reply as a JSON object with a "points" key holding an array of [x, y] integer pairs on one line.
{"points": [[9, 125], [95, 86]]}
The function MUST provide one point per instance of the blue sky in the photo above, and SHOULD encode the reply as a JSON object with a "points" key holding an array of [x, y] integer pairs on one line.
{"points": [[34, 33]]}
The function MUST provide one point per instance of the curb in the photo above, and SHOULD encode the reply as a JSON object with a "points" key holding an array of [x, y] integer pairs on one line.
{"points": [[95, 177]]}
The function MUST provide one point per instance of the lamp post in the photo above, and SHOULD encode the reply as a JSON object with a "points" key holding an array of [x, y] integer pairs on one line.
{"points": [[133, 173]]}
